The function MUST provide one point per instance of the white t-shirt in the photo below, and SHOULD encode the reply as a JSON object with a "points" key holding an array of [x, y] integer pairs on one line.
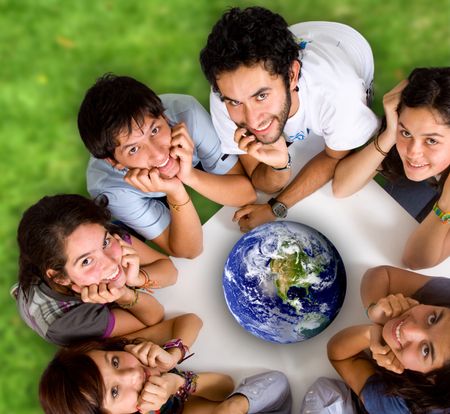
{"points": [[334, 88]]}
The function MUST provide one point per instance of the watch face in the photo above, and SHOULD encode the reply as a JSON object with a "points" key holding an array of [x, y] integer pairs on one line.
{"points": [[279, 209]]}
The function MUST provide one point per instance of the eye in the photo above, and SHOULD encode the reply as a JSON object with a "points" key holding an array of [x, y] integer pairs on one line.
{"points": [[115, 391], [133, 150], [86, 262], [154, 131], [431, 319], [425, 350], [115, 362], [404, 133], [431, 141], [233, 102], [262, 96], [106, 242]]}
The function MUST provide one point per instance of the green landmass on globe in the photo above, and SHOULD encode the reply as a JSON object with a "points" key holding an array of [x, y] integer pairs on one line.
{"points": [[293, 268]]}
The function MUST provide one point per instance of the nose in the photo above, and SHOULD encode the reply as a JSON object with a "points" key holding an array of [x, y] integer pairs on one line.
{"points": [[131, 377], [414, 148], [414, 331], [252, 116], [155, 153]]}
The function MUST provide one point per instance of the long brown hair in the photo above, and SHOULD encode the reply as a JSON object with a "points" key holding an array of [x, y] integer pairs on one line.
{"points": [[72, 382]]}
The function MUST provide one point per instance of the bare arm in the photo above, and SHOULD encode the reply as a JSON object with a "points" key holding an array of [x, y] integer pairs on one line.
{"points": [[429, 244], [344, 353], [232, 189], [355, 171], [379, 282]]}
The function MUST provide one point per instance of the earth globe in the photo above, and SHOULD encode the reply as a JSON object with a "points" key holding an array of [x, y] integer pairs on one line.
{"points": [[284, 282]]}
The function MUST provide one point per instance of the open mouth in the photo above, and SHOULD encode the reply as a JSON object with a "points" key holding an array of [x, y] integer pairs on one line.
{"points": [[164, 163], [396, 332], [416, 164], [114, 275], [263, 127]]}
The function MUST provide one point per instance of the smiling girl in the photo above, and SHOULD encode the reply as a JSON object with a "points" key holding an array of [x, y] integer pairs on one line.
{"points": [[409, 339], [82, 277], [120, 377], [413, 153]]}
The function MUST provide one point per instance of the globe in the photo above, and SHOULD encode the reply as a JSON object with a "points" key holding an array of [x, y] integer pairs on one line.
{"points": [[284, 282]]}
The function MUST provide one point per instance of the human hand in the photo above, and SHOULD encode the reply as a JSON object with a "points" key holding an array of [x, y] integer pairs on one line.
{"points": [[275, 154], [153, 356], [157, 390], [101, 293], [130, 263], [390, 307], [253, 215], [182, 147], [391, 101], [150, 181], [381, 352]]}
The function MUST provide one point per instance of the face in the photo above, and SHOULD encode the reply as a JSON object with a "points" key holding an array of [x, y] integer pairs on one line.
{"points": [[423, 143], [94, 256], [148, 146], [124, 378], [420, 337], [258, 101]]}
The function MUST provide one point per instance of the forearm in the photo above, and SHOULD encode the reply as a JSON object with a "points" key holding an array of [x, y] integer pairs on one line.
{"points": [[268, 180], [229, 189], [185, 228], [313, 176], [349, 342], [162, 272], [429, 244], [374, 285], [213, 386], [355, 171], [146, 309]]}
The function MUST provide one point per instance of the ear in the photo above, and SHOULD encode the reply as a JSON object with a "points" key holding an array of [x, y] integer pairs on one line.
{"points": [[57, 277], [115, 163], [294, 74]]}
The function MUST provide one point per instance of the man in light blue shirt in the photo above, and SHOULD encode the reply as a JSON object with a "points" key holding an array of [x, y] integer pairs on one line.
{"points": [[145, 147]]}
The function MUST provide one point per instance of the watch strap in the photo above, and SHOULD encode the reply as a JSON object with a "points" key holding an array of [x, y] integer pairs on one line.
{"points": [[286, 167]]}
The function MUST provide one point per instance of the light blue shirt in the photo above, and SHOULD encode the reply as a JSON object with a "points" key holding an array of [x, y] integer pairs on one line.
{"points": [[139, 210]]}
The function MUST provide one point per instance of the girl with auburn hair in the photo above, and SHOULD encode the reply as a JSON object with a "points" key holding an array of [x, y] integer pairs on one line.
{"points": [[120, 376], [413, 152], [82, 277], [409, 338]]}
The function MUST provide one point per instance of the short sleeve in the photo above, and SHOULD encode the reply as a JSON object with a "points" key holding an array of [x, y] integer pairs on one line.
{"points": [[346, 121], [223, 125], [146, 215], [207, 143], [85, 321], [376, 401], [435, 292]]}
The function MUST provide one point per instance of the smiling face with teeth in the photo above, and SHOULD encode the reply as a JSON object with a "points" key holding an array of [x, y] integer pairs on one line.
{"points": [[147, 146], [93, 256], [423, 143], [259, 101], [420, 337]]}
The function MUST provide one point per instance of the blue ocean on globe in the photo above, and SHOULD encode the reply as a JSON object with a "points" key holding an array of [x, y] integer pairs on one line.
{"points": [[284, 282]]}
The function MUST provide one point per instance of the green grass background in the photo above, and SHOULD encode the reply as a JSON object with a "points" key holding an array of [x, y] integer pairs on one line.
{"points": [[52, 51]]}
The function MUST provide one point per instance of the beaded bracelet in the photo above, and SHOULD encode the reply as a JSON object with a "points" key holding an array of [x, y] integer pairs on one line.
{"points": [[178, 343], [189, 386], [133, 302], [177, 206], [148, 284]]}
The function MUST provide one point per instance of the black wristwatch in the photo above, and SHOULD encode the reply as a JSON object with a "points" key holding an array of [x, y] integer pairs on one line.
{"points": [[278, 208]]}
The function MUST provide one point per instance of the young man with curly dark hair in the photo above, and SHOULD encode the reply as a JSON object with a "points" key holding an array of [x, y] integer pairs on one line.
{"points": [[273, 85]]}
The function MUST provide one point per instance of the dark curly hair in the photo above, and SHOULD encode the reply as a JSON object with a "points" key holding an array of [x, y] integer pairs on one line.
{"points": [[427, 88], [111, 107], [247, 37], [43, 230]]}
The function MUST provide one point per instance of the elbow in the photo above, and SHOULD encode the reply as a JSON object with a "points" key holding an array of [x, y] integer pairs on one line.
{"points": [[415, 262], [194, 321], [188, 252], [339, 191], [269, 188]]}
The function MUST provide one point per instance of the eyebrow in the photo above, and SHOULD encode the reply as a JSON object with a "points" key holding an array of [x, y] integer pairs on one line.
{"points": [[426, 134], [132, 144], [258, 92], [90, 252]]}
